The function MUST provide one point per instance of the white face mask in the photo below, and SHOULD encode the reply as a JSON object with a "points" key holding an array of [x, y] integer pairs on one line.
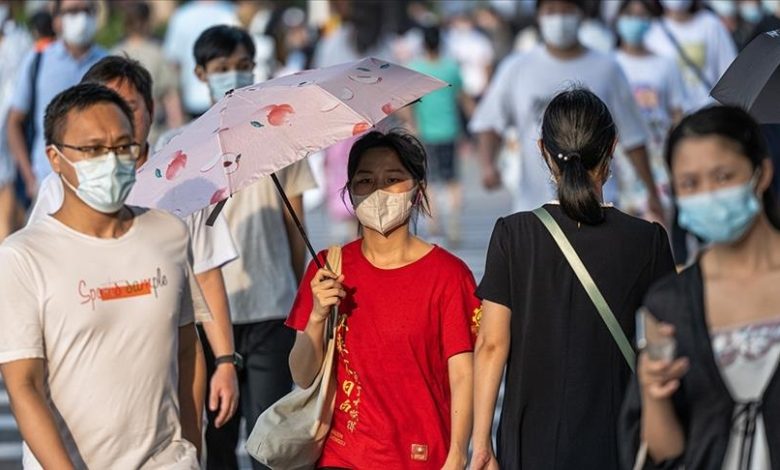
{"points": [[382, 210], [560, 30], [78, 29], [104, 182], [221, 83]]}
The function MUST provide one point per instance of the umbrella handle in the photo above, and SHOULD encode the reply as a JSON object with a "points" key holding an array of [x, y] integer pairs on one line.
{"points": [[333, 318]]}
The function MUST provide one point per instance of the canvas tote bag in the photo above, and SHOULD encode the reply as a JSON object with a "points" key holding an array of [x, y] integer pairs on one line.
{"points": [[291, 433]]}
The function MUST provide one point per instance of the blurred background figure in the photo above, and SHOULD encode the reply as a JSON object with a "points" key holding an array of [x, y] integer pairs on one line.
{"points": [[357, 30], [594, 32], [473, 51], [139, 44], [15, 42], [185, 25], [255, 16], [41, 76], [42, 29], [740, 17], [658, 91], [771, 19], [437, 121], [696, 38]]}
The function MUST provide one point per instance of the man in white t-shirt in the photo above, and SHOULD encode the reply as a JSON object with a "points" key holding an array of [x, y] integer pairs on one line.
{"points": [[98, 349], [526, 82], [212, 247]]}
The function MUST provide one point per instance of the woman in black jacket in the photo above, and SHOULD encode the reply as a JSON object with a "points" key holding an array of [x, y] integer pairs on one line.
{"points": [[718, 404]]}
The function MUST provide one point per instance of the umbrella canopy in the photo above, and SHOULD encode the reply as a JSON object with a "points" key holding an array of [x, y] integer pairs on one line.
{"points": [[752, 81], [257, 130]]}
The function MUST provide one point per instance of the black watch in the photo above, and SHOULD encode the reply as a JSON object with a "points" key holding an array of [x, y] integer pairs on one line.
{"points": [[234, 359]]}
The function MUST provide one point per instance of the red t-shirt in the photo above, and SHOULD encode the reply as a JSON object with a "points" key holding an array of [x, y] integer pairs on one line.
{"points": [[393, 402]]}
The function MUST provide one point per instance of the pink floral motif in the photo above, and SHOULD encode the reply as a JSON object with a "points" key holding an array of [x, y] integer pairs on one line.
{"points": [[360, 128], [388, 108], [279, 114], [176, 165], [219, 195]]}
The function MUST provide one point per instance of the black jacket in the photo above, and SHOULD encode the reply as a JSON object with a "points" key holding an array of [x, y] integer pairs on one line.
{"points": [[703, 403]]}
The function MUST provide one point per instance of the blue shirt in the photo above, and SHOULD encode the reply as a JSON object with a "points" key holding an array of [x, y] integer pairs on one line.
{"points": [[58, 70]]}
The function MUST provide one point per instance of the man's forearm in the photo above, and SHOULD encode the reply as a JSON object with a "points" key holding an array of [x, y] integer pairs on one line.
{"points": [[17, 143], [36, 424], [641, 162], [219, 331], [488, 143], [192, 385]]}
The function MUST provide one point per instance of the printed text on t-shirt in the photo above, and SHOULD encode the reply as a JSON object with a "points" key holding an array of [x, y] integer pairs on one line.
{"points": [[122, 289]]}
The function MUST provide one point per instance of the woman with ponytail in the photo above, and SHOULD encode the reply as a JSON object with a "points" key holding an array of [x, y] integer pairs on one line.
{"points": [[565, 373]]}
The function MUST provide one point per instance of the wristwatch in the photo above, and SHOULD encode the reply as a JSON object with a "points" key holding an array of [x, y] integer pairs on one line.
{"points": [[234, 359]]}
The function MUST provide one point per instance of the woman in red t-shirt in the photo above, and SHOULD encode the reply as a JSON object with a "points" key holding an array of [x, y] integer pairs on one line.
{"points": [[408, 319]]}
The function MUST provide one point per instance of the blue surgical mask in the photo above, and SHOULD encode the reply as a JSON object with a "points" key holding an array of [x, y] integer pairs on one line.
{"points": [[104, 182], [221, 83], [560, 30], [632, 29], [750, 12], [721, 216], [724, 8]]}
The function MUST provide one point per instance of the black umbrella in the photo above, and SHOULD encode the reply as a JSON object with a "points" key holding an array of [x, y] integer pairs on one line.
{"points": [[752, 81]]}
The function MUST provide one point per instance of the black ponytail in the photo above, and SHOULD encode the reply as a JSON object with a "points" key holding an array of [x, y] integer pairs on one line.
{"points": [[578, 134]]}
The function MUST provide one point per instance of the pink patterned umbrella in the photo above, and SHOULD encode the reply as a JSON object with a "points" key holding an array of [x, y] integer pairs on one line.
{"points": [[257, 130]]}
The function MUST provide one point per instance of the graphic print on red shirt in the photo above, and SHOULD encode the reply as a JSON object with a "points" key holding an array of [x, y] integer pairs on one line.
{"points": [[397, 330]]}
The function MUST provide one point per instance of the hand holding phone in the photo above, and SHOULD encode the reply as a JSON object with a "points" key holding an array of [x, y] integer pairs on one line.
{"points": [[655, 337]]}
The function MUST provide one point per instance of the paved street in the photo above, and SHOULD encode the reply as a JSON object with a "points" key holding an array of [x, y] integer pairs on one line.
{"points": [[480, 212]]}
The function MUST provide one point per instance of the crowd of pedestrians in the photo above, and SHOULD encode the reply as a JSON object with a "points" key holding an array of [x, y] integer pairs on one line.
{"points": [[626, 307]]}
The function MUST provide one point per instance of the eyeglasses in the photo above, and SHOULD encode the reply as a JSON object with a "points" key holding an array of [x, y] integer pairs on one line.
{"points": [[131, 150]]}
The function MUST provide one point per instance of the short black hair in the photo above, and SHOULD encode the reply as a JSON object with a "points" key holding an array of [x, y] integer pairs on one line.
{"points": [[137, 16], [221, 41], [41, 24], [581, 4], [432, 38], [79, 97], [126, 70], [654, 7]]}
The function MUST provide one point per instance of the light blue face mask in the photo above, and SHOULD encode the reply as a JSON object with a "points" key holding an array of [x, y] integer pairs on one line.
{"points": [[632, 29], [221, 83], [721, 216], [104, 182]]}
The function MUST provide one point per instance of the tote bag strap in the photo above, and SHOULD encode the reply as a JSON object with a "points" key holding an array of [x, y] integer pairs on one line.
{"points": [[590, 287]]}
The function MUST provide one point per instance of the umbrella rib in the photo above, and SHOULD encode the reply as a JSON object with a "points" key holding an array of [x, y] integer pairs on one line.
{"points": [[222, 154]]}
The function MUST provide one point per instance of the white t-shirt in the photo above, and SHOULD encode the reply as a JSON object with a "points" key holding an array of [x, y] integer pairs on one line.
{"points": [[212, 247], [518, 95], [658, 89], [184, 27], [261, 284], [105, 316], [707, 44], [475, 54]]}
